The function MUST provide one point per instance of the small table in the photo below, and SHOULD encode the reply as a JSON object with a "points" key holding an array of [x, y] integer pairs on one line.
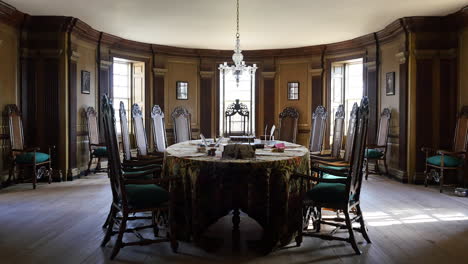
{"points": [[262, 187]]}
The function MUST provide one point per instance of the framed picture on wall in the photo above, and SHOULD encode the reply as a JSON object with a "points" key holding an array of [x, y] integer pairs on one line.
{"points": [[390, 83], [182, 90], [85, 82], [293, 90]]}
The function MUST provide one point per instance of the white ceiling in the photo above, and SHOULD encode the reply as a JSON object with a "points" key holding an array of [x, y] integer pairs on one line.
{"points": [[264, 24]]}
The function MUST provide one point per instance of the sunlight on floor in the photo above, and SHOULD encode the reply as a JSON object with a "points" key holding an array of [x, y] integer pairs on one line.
{"points": [[410, 216]]}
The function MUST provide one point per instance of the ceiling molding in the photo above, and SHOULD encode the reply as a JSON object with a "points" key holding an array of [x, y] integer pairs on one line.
{"points": [[82, 30]]}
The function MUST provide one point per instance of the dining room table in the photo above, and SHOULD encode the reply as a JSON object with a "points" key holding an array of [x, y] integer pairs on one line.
{"points": [[262, 187]]}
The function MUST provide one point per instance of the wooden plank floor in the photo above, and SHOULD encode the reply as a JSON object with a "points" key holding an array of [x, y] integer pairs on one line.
{"points": [[61, 223]]}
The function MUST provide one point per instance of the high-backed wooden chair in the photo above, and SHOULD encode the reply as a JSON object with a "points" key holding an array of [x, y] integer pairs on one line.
{"points": [[159, 129], [288, 124], [97, 149], [341, 194], [22, 156], [378, 151], [232, 110], [317, 130], [340, 161], [181, 122], [454, 159], [130, 165], [131, 194]]}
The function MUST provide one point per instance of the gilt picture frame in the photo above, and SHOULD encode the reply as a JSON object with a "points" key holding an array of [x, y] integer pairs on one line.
{"points": [[390, 83], [85, 82]]}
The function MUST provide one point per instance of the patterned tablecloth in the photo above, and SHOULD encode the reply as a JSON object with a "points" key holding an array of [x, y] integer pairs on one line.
{"points": [[261, 187]]}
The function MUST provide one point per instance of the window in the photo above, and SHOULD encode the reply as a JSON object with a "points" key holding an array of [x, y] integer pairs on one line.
{"points": [[182, 90], [128, 87], [228, 94], [293, 90], [346, 88], [122, 88]]}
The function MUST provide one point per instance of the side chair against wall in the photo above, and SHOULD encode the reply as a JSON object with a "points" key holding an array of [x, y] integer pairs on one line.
{"points": [[97, 149], [288, 124], [140, 136], [317, 130], [22, 156], [378, 151], [133, 194], [159, 130], [341, 194], [182, 124], [444, 160]]}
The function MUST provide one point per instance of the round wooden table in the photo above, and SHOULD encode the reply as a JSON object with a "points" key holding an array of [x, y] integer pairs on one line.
{"points": [[262, 187]]}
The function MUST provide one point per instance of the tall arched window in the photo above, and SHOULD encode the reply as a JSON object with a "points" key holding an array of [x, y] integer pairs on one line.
{"points": [[230, 91]]}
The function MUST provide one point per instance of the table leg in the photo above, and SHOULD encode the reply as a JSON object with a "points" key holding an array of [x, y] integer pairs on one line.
{"points": [[235, 228]]}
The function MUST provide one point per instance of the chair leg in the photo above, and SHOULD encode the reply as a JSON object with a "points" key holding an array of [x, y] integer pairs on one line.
{"points": [[367, 169], [441, 179], [385, 164], [352, 239], [155, 224], [118, 241], [34, 180], [110, 228], [98, 165], [318, 219], [362, 223], [108, 219], [89, 165]]}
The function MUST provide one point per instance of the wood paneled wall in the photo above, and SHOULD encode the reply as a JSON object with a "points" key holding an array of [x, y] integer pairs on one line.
{"points": [[50, 97]]}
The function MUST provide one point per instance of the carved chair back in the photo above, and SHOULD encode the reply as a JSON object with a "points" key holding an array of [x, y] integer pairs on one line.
{"points": [[357, 157], [139, 130], [115, 172], [181, 119], [317, 129], [461, 132], [288, 124], [338, 130], [93, 126], [125, 132], [159, 129], [232, 110], [384, 125], [350, 135], [16, 127]]}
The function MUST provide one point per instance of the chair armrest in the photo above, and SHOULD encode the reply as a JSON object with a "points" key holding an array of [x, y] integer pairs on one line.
{"points": [[374, 146], [143, 173], [143, 168], [138, 163], [450, 153], [325, 158], [339, 163], [153, 181], [32, 149], [343, 173], [98, 145]]}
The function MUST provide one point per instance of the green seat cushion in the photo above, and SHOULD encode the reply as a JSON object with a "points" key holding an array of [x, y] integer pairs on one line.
{"points": [[334, 167], [449, 161], [328, 193], [100, 152], [129, 174], [142, 196], [330, 176], [373, 153], [28, 157]]}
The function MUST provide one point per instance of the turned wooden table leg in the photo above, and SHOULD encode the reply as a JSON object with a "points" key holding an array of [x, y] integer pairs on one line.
{"points": [[235, 228]]}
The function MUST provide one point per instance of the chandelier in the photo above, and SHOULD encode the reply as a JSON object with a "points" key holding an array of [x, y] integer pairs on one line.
{"points": [[239, 66]]}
